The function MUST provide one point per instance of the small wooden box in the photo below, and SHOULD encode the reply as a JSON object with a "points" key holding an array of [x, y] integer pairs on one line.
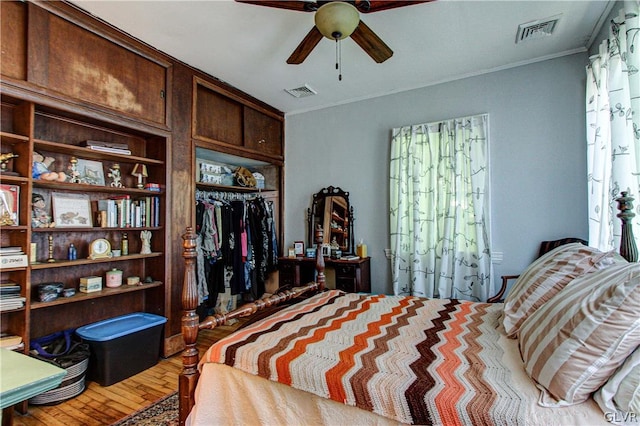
{"points": [[90, 284]]}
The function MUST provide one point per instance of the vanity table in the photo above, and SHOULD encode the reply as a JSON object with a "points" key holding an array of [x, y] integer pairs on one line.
{"points": [[352, 276], [330, 210]]}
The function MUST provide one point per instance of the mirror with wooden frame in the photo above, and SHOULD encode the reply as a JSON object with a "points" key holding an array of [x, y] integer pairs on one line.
{"points": [[331, 209]]}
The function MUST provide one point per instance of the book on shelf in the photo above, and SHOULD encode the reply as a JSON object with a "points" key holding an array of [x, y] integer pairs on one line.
{"points": [[350, 257], [125, 212], [110, 147], [13, 260], [110, 150], [9, 288], [11, 341], [11, 250], [155, 187], [12, 303]]}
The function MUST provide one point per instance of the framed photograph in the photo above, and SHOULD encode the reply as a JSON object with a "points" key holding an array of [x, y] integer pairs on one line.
{"points": [[90, 172], [298, 247], [9, 204], [71, 210], [326, 250]]}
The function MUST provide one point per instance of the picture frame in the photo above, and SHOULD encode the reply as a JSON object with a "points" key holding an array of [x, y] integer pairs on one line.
{"points": [[298, 248], [71, 210], [90, 172], [9, 204], [326, 250]]}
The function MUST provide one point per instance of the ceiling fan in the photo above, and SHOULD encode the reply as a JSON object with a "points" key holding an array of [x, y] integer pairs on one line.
{"points": [[337, 20]]}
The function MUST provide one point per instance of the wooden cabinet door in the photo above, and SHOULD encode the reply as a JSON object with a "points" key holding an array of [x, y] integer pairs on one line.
{"points": [[74, 61], [262, 133], [216, 117]]}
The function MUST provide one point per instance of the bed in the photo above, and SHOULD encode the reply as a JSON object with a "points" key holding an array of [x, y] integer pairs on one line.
{"points": [[560, 350]]}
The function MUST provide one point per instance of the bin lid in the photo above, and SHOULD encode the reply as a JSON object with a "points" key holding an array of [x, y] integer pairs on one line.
{"points": [[113, 328]]}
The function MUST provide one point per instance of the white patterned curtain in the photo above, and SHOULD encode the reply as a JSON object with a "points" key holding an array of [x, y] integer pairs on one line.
{"points": [[613, 127], [439, 209]]}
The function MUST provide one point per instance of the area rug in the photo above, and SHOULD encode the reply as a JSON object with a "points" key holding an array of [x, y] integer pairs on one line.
{"points": [[161, 413]]}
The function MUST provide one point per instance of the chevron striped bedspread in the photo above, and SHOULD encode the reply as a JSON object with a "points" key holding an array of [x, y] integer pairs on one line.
{"points": [[414, 360]]}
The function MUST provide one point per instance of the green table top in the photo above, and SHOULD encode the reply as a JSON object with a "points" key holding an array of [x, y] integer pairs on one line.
{"points": [[23, 377]]}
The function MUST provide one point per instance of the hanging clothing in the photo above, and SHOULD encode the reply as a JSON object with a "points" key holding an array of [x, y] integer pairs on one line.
{"points": [[236, 250]]}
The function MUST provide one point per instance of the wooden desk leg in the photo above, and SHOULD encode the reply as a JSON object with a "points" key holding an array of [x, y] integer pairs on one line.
{"points": [[7, 416]]}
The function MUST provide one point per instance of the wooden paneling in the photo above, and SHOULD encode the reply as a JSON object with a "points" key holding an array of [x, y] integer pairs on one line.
{"points": [[225, 118], [96, 69], [84, 75], [13, 31]]}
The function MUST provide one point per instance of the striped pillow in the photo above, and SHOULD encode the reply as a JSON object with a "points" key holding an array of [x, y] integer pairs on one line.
{"points": [[575, 341], [545, 277], [621, 393]]}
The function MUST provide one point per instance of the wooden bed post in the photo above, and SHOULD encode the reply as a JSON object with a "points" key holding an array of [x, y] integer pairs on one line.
{"points": [[628, 248], [189, 376], [191, 324]]}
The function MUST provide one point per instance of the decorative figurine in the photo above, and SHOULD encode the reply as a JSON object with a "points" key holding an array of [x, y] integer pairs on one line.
{"points": [[50, 259], [39, 216], [146, 242], [7, 217], [74, 174], [41, 170], [4, 163], [115, 175]]}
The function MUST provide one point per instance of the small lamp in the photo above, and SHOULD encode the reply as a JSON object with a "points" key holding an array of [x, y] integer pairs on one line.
{"points": [[140, 170]]}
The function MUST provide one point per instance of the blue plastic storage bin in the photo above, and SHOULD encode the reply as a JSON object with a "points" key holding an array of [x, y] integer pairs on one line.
{"points": [[122, 346]]}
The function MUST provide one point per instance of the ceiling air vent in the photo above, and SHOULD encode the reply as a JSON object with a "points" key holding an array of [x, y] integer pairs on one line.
{"points": [[301, 92], [536, 29]]}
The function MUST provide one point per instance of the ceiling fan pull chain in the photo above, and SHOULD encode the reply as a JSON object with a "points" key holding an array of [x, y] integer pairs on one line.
{"points": [[339, 59]]}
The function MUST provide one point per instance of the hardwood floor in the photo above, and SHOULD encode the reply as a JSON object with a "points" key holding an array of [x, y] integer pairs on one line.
{"points": [[99, 405]]}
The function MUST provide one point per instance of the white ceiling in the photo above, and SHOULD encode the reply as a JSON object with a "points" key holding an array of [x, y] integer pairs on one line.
{"points": [[247, 46]]}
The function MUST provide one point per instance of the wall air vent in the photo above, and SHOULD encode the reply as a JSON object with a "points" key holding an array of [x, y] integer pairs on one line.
{"points": [[301, 92], [536, 29]]}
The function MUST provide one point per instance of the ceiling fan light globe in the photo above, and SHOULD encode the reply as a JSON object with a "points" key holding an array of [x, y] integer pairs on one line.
{"points": [[337, 20]]}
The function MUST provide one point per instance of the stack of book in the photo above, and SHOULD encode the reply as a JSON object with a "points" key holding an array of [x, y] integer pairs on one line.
{"points": [[10, 296], [11, 341], [124, 212], [112, 147], [12, 257]]}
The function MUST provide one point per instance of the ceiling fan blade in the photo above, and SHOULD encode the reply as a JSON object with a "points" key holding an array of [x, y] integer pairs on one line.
{"points": [[371, 43], [377, 5], [299, 5], [306, 46]]}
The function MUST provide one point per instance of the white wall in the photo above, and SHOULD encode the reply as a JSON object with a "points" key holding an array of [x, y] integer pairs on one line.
{"points": [[537, 143]]}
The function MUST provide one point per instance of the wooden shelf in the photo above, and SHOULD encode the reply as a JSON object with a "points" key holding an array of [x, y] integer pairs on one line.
{"points": [[96, 229], [8, 228], [228, 188], [12, 138], [16, 180], [83, 152], [11, 311], [81, 187], [63, 263], [105, 292]]}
